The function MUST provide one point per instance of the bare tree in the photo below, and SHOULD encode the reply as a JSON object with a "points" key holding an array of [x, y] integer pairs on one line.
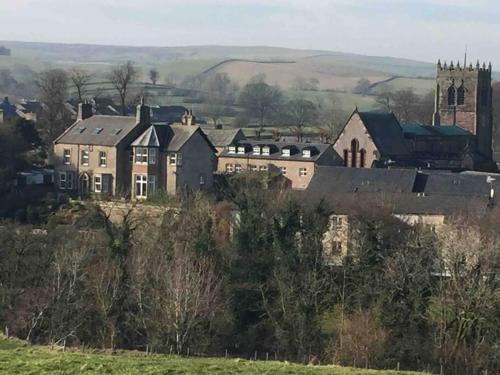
{"points": [[53, 87], [331, 117], [80, 79], [405, 104], [154, 76], [121, 77], [300, 113]]}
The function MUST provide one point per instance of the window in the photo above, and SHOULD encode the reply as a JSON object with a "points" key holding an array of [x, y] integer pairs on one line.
{"points": [[336, 222], [152, 156], [241, 150], [85, 158], [202, 179], [266, 150], [263, 168], [256, 150], [141, 185], [232, 149], [302, 172], [346, 157], [151, 184], [116, 131], [253, 168], [336, 247], [97, 183], [172, 159], [62, 180], [69, 180], [102, 158], [97, 131], [179, 159], [131, 156], [306, 153], [461, 95], [106, 182], [451, 95], [141, 155], [229, 168], [283, 170], [354, 153], [67, 156], [237, 168], [362, 157], [285, 152], [79, 130]]}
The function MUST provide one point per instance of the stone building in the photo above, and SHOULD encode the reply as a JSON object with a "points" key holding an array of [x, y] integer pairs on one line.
{"points": [[170, 158], [295, 161], [93, 156]]}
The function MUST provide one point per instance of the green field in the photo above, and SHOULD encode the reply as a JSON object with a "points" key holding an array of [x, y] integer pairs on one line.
{"points": [[16, 357]]}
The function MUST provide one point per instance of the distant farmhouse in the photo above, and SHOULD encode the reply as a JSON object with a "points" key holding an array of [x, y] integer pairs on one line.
{"points": [[4, 51]]}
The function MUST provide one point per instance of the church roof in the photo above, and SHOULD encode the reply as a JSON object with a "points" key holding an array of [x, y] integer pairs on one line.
{"points": [[433, 130], [386, 132]]}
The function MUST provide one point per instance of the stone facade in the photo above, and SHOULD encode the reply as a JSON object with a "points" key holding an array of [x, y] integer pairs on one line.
{"points": [[464, 98]]}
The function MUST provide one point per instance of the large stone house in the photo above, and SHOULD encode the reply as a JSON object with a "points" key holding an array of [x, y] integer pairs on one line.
{"points": [[295, 161], [93, 156], [170, 158]]}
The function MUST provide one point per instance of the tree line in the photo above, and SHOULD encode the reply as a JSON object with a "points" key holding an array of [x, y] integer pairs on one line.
{"points": [[246, 273]]}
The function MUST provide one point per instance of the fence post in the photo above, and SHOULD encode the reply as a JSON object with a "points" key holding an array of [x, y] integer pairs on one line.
{"points": [[188, 352], [275, 356], [267, 356], [226, 353], [255, 356], [7, 331], [398, 367], [354, 365]]}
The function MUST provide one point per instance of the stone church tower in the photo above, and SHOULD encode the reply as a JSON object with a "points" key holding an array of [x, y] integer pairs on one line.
{"points": [[464, 98]]}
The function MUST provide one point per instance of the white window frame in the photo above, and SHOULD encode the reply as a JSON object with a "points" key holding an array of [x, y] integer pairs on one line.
{"points": [[142, 180], [151, 189], [256, 150], [179, 159], [98, 183], [237, 168], [62, 180], [172, 158], [302, 172], [202, 179], [67, 156], [283, 170], [306, 153], [254, 168], [141, 155], [263, 168], [229, 168], [266, 150], [152, 152], [85, 158], [232, 149], [285, 152], [103, 157], [241, 150]]}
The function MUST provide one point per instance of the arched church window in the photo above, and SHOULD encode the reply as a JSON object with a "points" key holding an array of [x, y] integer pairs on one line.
{"points": [[461, 95], [346, 157], [362, 158], [354, 153], [451, 95]]}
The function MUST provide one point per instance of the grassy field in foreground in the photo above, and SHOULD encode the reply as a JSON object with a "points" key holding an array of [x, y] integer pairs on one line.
{"points": [[17, 357]]}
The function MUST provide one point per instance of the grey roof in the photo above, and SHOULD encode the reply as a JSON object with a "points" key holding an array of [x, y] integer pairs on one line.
{"points": [[168, 137], [98, 130], [457, 184], [434, 130], [386, 132], [317, 150], [329, 179], [167, 114], [223, 137]]}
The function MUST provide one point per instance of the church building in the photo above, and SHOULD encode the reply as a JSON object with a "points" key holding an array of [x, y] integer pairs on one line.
{"points": [[460, 137]]}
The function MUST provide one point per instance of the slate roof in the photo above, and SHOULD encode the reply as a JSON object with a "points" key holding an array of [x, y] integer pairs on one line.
{"points": [[98, 130], [223, 137], [457, 184], [431, 130], [169, 138], [8, 109], [386, 132], [167, 114], [329, 179], [296, 149]]}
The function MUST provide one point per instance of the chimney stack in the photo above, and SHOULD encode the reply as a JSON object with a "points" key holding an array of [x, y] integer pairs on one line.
{"points": [[84, 111], [188, 119], [143, 114]]}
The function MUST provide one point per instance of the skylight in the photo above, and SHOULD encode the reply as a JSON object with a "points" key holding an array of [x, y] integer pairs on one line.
{"points": [[97, 131]]}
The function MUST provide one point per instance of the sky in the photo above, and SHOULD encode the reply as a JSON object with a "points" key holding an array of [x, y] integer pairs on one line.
{"points": [[417, 29]]}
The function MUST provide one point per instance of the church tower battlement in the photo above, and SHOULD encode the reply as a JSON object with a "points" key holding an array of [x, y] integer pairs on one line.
{"points": [[464, 98]]}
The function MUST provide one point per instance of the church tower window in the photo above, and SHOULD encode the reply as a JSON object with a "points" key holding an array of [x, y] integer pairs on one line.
{"points": [[461, 95], [451, 95]]}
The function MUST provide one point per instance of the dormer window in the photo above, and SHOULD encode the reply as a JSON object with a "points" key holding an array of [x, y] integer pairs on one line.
{"points": [[285, 152], [241, 150], [256, 150], [232, 149], [266, 150], [306, 153]]}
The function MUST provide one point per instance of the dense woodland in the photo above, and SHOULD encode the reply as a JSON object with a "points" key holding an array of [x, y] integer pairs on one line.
{"points": [[245, 273]]}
